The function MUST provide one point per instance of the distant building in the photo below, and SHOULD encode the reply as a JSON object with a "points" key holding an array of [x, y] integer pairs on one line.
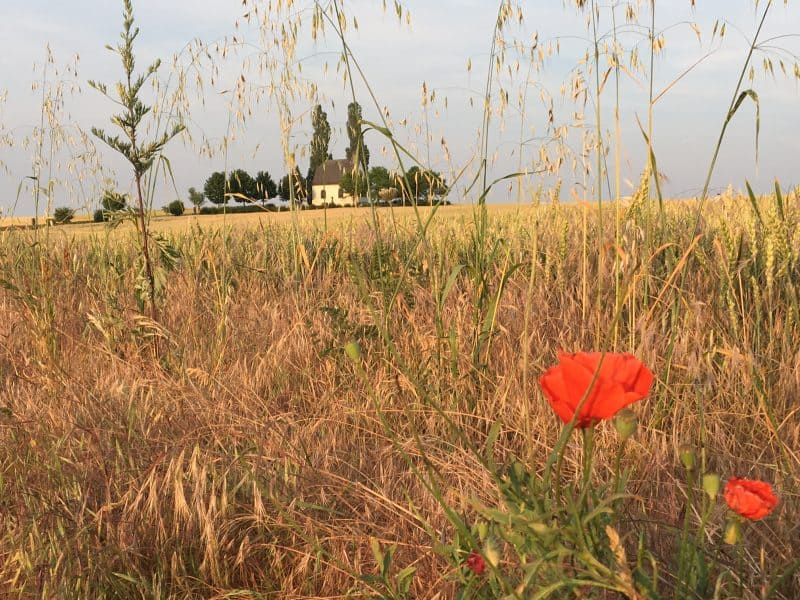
{"points": [[325, 187]]}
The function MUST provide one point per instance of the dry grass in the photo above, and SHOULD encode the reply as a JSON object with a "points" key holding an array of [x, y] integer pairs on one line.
{"points": [[248, 455]]}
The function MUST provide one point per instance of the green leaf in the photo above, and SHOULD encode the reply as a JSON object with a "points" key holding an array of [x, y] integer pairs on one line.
{"points": [[451, 280], [779, 198], [742, 97], [753, 202], [491, 439], [405, 578], [382, 130], [781, 579], [376, 550], [387, 561]]}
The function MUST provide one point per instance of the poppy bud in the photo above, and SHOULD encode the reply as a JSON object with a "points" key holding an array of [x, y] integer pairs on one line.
{"points": [[687, 456], [711, 485], [625, 423], [733, 532], [353, 350], [491, 552]]}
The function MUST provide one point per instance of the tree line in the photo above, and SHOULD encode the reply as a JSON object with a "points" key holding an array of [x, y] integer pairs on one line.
{"points": [[376, 183], [380, 183], [239, 185], [243, 187]]}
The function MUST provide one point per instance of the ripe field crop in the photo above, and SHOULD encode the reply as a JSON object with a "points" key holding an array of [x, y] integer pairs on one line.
{"points": [[235, 449], [351, 218]]}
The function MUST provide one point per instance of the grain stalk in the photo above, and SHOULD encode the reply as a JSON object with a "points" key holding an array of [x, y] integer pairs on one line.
{"points": [[594, 9]]}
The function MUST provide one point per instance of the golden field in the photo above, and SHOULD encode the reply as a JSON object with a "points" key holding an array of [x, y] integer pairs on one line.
{"points": [[232, 448], [82, 224]]}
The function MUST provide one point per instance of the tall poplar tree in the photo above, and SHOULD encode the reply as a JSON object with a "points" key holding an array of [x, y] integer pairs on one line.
{"points": [[357, 151], [319, 142]]}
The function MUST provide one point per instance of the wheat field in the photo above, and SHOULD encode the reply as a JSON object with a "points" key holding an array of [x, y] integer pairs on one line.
{"points": [[233, 449]]}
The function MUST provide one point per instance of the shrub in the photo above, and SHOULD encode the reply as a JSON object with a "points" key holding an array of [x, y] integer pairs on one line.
{"points": [[63, 214], [99, 216], [113, 201], [176, 208]]}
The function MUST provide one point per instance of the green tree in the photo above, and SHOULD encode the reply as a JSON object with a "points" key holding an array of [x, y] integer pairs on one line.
{"points": [[138, 153], [112, 201], [215, 188], [296, 185], [242, 184], [357, 152], [422, 185], [63, 214], [320, 141], [284, 189], [437, 186], [196, 198], [265, 186], [379, 179], [354, 183]]}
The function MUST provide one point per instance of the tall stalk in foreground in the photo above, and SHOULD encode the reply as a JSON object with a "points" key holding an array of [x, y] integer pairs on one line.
{"points": [[600, 152], [736, 101], [141, 155]]}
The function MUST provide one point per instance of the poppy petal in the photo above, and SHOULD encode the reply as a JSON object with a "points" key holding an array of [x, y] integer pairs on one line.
{"points": [[750, 498], [605, 398], [643, 381], [620, 380], [587, 359], [577, 378], [555, 390]]}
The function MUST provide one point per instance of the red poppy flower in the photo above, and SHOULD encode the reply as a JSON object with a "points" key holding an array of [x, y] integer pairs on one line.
{"points": [[476, 563], [750, 498], [622, 380]]}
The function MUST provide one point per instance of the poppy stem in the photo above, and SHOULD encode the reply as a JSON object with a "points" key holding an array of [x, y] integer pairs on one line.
{"points": [[685, 552], [586, 476], [588, 446], [739, 569], [557, 455], [618, 467]]}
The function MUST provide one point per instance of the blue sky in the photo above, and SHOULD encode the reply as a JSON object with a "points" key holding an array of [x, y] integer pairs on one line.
{"points": [[444, 35]]}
